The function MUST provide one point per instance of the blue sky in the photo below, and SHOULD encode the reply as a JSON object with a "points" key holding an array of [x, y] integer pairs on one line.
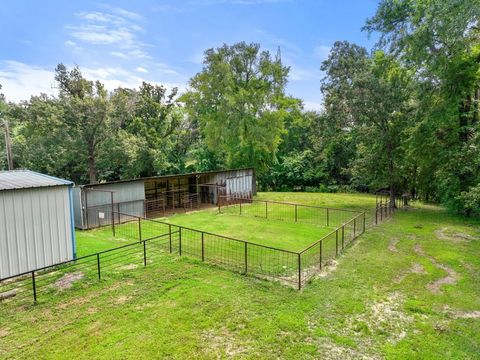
{"points": [[122, 43]]}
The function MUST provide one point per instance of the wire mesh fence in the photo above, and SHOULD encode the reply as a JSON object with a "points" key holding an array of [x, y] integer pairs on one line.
{"points": [[152, 238], [52, 280], [291, 212]]}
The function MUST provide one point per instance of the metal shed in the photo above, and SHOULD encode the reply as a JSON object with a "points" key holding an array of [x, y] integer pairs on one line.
{"points": [[154, 196], [36, 221]]}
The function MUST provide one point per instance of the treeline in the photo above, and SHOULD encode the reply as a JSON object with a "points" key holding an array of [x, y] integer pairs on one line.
{"points": [[403, 116]]}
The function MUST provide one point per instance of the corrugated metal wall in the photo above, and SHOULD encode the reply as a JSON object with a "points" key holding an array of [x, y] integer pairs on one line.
{"points": [[35, 229], [128, 198], [237, 182]]}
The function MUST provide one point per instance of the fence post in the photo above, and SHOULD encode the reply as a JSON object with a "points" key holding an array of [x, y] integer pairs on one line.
{"points": [[113, 215], [328, 218], [98, 266], [343, 236], [139, 229], [34, 288], [203, 248], [240, 206], [180, 241], [381, 213], [363, 222], [170, 236], [336, 242], [299, 272], [144, 253], [320, 254], [266, 210], [354, 226], [296, 214], [246, 257], [376, 214]]}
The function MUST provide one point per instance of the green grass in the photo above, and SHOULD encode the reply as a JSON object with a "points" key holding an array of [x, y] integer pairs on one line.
{"points": [[374, 304]]}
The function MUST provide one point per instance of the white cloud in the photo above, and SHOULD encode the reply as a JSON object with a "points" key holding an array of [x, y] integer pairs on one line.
{"points": [[116, 29], [141, 69], [20, 81]]}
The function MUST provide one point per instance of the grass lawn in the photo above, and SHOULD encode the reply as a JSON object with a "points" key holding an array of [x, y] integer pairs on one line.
{"points": [[407, 289]]}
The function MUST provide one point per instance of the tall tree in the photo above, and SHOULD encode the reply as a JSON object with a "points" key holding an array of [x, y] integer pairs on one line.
{"points": [[86, 113], [367, 102], [238, 101], [441, 41]]}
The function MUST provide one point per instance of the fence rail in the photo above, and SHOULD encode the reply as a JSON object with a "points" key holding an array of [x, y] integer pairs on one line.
{"points": [[152, 238]]}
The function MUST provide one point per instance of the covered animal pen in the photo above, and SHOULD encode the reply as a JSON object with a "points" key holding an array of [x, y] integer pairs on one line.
{"points": [[36, 222], [156, 196]]}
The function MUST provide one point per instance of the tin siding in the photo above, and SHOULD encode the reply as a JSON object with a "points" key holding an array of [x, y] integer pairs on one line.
{"points": [[35, 229]]}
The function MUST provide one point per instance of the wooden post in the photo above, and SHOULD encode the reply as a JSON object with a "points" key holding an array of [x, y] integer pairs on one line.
{"points": [[328, 220], [170, 236], [203, 247], [296, 213], [266, 210]]}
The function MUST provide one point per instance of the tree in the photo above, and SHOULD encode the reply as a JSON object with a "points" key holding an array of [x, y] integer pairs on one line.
{"points": [[440, 40], [368, 99], [238, 102], [86, 113]]}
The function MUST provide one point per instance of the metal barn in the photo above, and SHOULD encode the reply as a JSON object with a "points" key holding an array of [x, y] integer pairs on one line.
{"points": [[36, 221], [96, 204]]}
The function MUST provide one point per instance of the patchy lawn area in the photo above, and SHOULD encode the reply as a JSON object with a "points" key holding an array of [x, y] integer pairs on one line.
{"points": [[406, 289]]}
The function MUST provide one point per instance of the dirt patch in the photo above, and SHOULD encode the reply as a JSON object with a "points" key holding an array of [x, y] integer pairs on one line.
{"points": [[8, 294], [460, 314], [444, 234], [392, 246], [329, 350], [450, 279], [4, 332], [222, 340], [414, 269], [122, 299], [128, 267], [329, 267], [66, 282]]}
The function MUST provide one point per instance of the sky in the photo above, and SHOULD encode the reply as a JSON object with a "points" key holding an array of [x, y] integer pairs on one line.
{"points": [[122, 43]]}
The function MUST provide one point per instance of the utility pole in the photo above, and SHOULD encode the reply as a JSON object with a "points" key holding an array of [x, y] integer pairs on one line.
{"points": [[8, 145]]}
